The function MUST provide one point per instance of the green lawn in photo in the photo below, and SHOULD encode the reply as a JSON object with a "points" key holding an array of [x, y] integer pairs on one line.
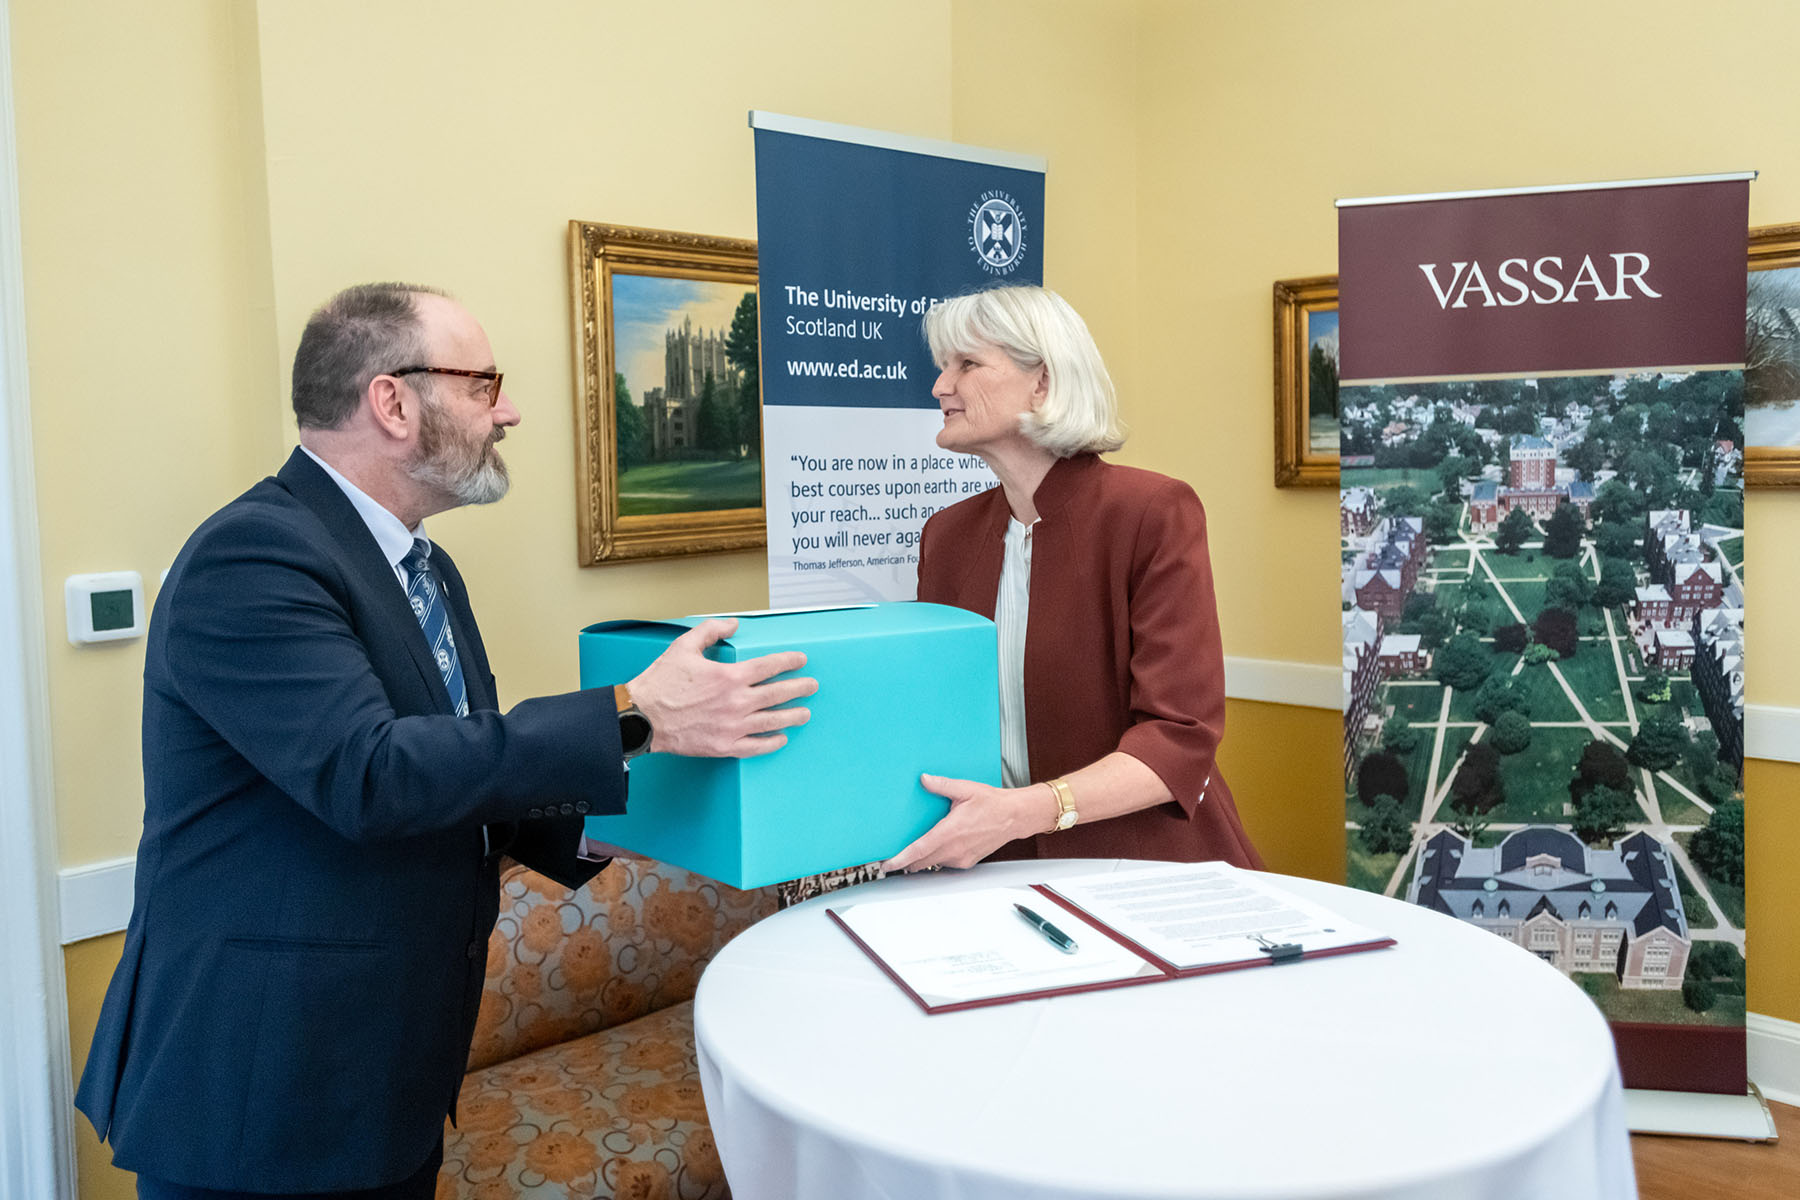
{"points": [[1417, 702], [1537, 777], [1450, 560], [1412, 865], [1733, 550], [1527, 594], [1729, 896], [1699, 916], [1526, 564], [1369, 872], [1656, 1005], [692, 485], [1676, 808], [1387, 477], [1596, 680], [1454, 743]]}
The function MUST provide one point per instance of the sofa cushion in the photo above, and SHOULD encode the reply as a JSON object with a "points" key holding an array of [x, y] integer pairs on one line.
{"points": [[614, 1113], [634, 939]]}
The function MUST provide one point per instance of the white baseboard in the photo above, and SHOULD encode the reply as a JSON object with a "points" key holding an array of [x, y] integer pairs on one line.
{"points": [[1771, 731], [95, 898], [1774, 1056]]}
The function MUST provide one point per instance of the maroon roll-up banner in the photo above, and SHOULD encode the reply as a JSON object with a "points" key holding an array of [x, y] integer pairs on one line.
{"points": [[1599, 279], [1542, 548]]}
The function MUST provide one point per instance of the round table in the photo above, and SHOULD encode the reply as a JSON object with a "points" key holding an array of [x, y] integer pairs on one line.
{"points": [[1454, 1065]]}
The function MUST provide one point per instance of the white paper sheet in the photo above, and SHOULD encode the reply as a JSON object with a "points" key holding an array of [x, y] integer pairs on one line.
{"points": [[974, 945], [1206, 914]]}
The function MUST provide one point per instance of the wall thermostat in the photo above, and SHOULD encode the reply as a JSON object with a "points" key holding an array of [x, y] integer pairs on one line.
{"points": [[104, 608]]}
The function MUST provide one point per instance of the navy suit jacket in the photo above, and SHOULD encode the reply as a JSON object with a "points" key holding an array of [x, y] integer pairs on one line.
{"points": [[298, 990]]}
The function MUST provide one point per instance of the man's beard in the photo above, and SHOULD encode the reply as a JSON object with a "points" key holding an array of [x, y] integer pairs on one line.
{"points": [[469, 473]]}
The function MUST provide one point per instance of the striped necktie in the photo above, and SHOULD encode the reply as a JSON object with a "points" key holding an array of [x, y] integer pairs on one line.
{"points": [[425, 592]]}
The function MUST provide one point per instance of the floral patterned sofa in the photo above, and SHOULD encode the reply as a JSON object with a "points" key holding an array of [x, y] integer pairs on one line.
{"points": [[582, 1081]]}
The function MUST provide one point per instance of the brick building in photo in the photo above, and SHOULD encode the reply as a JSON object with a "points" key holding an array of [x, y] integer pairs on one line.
{"points": [[1578, 909]]}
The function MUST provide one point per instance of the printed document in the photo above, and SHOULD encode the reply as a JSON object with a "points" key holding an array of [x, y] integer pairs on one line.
{"points": [[1206, 914]]}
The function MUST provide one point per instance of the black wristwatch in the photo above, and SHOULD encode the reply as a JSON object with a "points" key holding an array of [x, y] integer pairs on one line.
{"points": [[634, 726]]}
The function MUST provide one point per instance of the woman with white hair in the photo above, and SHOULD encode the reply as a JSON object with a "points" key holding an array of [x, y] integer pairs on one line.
{"points": [[1112, 683]]}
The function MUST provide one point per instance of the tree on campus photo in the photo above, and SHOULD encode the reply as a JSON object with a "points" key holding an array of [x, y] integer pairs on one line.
{"points": [[1512, 733], [1624, 542], [1497, 695], [1537, 654], [1381, 774], [1602, 814], [1618, 583], [1478, 779], [1555, 628], [1569, 587], [1658, 744], [1718, 847], [1398, 736], [1601, 765], [1655, 687], [1386, 830], [1476, 791], [1724, 507], [1463, 662], [1440, 523], [1616, 504], [1511, 639], [1515, 530], [1404, 501], [1562, 534]]}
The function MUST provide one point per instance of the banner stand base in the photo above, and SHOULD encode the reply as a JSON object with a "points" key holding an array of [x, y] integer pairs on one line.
{"points": [[1700, 1114]]}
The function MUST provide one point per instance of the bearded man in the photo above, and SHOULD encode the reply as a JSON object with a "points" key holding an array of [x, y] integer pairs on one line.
{"points": [[329, 784]]}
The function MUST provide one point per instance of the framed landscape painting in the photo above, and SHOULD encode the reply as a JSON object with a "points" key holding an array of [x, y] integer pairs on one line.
{"points": [[668, 393], [1772, 359], [1306, 382]]}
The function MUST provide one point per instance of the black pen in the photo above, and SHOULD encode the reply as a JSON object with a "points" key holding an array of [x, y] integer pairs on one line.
{"points": [[1058, 938]]}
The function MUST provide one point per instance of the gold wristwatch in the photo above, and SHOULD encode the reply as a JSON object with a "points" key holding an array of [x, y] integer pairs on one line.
{"points": [[1066, 816]]}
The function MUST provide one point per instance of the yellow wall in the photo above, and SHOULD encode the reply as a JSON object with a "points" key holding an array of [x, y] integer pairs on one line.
{"points": [[196, 175]]}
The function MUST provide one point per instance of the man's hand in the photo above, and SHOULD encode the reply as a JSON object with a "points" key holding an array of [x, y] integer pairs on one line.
{"points": [[708, 709]]}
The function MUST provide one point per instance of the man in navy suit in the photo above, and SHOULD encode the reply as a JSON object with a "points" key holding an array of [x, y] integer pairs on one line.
{"points": [[329, 784]]}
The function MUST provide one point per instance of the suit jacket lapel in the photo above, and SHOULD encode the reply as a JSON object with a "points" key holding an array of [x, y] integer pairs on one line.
{"points": [[312, 487]]}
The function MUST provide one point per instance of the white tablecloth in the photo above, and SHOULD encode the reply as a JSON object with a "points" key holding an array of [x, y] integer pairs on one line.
{"points": [[1454, 1066]]}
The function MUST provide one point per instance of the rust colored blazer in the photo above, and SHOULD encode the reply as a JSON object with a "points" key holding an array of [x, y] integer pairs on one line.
{"points": [[1122, 648]]}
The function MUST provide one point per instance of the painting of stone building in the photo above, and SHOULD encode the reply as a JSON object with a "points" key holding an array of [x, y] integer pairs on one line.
{"points": [[688, 404]]}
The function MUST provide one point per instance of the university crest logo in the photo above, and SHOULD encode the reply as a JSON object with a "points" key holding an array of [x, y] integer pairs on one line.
{"points": [[997, 232]]}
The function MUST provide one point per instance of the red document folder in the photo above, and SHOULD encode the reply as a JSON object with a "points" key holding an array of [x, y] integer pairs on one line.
{"points": [[1149, 966]]}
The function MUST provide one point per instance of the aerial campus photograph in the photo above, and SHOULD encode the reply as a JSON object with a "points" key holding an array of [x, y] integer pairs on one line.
{"points": [[1543, 671]]}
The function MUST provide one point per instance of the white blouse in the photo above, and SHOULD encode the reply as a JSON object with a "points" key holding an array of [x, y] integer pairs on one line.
{"points": [[1012, 607]]}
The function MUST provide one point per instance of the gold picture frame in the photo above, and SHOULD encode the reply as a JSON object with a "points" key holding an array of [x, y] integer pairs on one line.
{"points": [[692, 482], [1772, 247], [1299, 460]]}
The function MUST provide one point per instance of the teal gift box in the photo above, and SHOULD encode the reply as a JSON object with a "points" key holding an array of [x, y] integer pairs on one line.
{"points": [[904, 688]]}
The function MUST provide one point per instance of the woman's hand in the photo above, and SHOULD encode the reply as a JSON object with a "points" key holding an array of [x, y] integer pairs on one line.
{"points": [[981, 820]]}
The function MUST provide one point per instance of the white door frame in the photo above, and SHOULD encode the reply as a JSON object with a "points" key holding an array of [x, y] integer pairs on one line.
{"points": [[37, 1155]]}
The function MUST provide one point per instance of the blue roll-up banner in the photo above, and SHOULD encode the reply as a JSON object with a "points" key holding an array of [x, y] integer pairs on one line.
{"points": [[860, 233]]}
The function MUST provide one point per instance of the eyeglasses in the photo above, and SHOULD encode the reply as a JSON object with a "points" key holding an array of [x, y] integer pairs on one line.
{"points": [[494, 377]]}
